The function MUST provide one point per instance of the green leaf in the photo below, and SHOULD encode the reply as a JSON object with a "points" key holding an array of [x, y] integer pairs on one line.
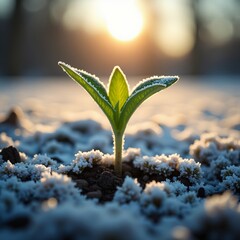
{"points": [[116, 114], [141, 92], [94, 87], [118, 88]]}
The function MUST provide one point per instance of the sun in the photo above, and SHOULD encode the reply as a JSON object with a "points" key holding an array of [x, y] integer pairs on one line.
{"points": [[123, 18]]}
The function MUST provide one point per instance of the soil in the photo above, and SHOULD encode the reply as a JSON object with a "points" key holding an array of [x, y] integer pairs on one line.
{"points": [[101, 182]]}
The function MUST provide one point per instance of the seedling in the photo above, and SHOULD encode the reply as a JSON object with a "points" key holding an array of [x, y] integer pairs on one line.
{"points": [[116, 102]]}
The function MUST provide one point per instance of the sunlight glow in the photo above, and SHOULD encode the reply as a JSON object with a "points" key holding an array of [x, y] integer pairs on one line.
{"points": [[84, 14], [6, 8], [123, 18], [174, 32], [175, 40]]}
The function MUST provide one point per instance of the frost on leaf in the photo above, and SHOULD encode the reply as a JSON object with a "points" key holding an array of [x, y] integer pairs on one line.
{"points": [[163, 81], [93, 86], [97, 85]]}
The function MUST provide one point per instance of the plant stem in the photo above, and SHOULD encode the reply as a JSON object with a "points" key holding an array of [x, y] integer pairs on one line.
{"points": [[118, 148]]}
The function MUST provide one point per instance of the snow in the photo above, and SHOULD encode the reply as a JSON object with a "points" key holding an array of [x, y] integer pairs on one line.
{"points": [[166, 165], [218, 218], [6, 141], [85, 159], [189, 142], [129, 191]]}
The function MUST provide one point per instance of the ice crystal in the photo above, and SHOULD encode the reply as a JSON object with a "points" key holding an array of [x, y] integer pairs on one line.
{"points": [[39, 201], [156, 204], [23, 171], [153, 200], [44, 160], [166, 166], [231, 178], [190, 198], [57, 186], [82, 160], [172, 189], [189, 169], [148, 83], [108, 159], [218, 155], [210, 146], [217, 219], [129, 191], [71, 221]]}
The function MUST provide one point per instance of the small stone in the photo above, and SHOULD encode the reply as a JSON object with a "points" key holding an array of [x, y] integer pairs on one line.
{"points": [[106, 180], [17, 119], [185, 181], [94, 194], [19, 222], [94, 187], [10, 153], [81, 183], [13, 117], [201, 192], [145, 178], [108, 197]]}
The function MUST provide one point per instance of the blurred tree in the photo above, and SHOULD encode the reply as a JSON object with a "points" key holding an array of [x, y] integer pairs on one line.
{"points": [[196, 53], [13, 50], [34, 38]]}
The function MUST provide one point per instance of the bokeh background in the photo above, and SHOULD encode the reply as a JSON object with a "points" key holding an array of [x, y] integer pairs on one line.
{"points": [[144, 37]]}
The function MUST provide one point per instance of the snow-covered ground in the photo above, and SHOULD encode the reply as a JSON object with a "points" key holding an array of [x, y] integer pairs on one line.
{"points": [[191, 128]]}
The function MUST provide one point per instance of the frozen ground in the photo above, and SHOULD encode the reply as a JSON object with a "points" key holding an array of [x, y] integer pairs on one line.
{"points": [[188, 102], [198, 120]]}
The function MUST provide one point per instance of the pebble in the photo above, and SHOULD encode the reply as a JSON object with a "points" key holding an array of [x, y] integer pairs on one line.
{"points": [[106, 180], [145, 178], [201, 192], [81, 183], [10, 153], [13, 117], [94, 187], [94, 194]]}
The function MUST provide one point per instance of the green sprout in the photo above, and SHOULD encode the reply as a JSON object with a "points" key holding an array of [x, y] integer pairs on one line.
{"points": [[116, 102]]}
